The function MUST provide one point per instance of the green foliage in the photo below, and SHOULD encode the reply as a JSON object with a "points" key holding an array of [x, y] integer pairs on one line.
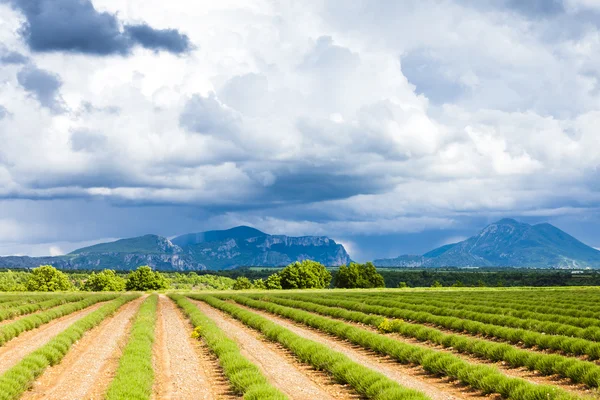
{"points": [[105, 281], [46, 278], [242, 283], [193, 281], [245, 377], [259, 284], [11, 281], [144, 278], [356, 275], [305, 275], [402, 285], [436, 284], [365, 381], [135, 375], [273, 282], [30, 307], [15, 381]]}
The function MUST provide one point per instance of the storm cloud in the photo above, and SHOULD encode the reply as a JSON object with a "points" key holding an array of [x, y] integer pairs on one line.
{"points": [[76, 26]]}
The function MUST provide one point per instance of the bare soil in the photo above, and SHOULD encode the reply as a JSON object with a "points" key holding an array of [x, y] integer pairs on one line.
{"points": [[14, 350], [183, 370], [88, 368], [279, 366]]}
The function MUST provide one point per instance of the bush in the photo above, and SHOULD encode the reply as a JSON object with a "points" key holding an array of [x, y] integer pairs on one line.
{"points": [[273, 282], [242, 283], [105, 281], [46, 278], [145, 279], [356, 275], [305, 275]]}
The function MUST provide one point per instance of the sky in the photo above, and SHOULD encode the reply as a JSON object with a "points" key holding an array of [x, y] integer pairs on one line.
{"points": [[391, 126]]}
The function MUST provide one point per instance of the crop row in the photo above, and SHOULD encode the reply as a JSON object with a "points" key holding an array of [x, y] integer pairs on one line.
{"points": [[548, 364], [365, 381], [21, 300], [14, 329], [135, 375], [15, 381], [530, 324], [33, 307], [573, 317], [566, 344], [488, 379], [245, 377]]}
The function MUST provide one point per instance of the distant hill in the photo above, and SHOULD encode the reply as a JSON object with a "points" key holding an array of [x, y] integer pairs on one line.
{"points": [[507, 243], [240, 246]]}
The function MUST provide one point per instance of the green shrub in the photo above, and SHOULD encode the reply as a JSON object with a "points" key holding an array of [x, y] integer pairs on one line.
{"points": [[105, 281], [356, 275], [305, 275], [46, 278], [144, 278], [242, 283]]}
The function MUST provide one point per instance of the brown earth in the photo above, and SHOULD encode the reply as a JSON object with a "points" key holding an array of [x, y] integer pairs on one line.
{"points": [[14, 350], [183, 369], [283, 371], [88, 368]]}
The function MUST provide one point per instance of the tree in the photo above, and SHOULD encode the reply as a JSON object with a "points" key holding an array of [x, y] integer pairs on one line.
{"points": [[242, 283], [273, 282], [105, 281], [356, 275], [402, 285], [13, 281], [145, 279], [305, 275], [436, 284], [259, 284], [46, 278]]}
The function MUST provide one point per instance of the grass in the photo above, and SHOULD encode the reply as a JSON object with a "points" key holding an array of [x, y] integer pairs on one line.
{"points": [[28, 308], [245, 377], [15, 381], [363, 380], [14, 329], [135, 376], [485, 378]]}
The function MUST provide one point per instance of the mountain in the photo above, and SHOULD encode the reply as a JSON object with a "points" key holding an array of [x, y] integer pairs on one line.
{"points": [[240, 246], [507, 243]]}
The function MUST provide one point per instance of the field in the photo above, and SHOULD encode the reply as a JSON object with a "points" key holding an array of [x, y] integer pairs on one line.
{"points": [[330, 344]]}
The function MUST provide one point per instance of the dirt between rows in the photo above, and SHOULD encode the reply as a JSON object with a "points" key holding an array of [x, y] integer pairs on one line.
{"points": [[89, 366], [14, 350], [283, 371], [183, 367]]}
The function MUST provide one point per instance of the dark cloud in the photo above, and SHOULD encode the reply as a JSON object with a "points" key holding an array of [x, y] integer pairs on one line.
{"points": [[11, 57], [43, 85], [159, 39], [3, 112], [76, 26], [207, 115], [529, 8]]}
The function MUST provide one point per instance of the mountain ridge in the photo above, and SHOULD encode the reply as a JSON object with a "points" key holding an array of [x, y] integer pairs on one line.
{"points": [[217, 249], [507, 243]]}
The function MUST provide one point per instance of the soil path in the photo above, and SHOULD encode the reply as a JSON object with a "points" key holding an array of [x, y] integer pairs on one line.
{"points": [[287, 375], [14, 350], [413, 377], [182, 368], [91, 362]]}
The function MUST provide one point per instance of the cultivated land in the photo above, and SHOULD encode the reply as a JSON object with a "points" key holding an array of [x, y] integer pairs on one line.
{"points": [[328, 344]]}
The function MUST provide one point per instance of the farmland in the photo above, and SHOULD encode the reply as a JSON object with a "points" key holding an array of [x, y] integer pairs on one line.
{"points": [[517, 343]]}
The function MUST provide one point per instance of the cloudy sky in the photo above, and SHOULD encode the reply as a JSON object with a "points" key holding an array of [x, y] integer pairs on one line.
{"points": [[390, 126]]}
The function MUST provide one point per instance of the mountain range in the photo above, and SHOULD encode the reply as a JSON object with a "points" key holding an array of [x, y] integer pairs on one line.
{"points": [[240, 246], [507, 243]]}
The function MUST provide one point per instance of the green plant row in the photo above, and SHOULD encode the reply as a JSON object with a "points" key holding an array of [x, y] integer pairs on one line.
{"points": [[566, 344], [135, 376], [15, 381], [550, 328], [483, 377], [33, 307], [365, 381], [21, 300], [245, 377], [578, 371], [29, 322], [523, 312]]}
